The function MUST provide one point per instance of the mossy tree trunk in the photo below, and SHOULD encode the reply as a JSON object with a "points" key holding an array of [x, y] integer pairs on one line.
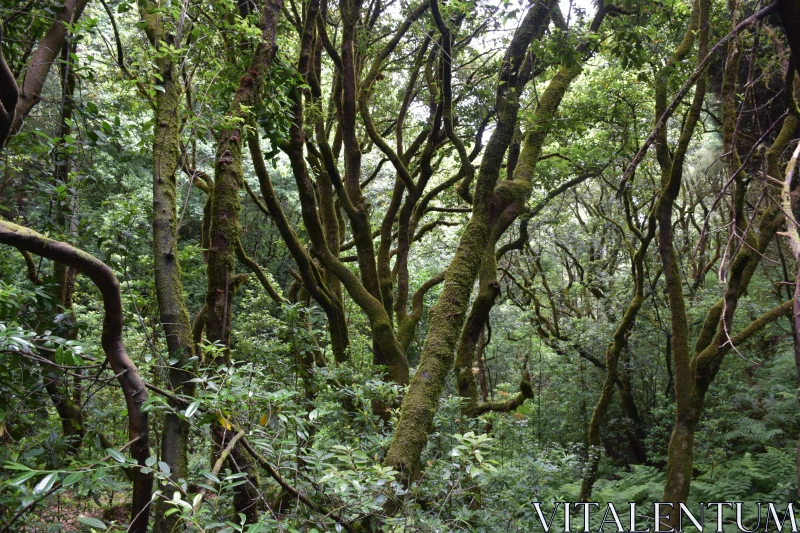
{"points": [[509, 200], [224, 234], [173, 314], [449, 313], [696, 369], [679, 467], [488, 290]]}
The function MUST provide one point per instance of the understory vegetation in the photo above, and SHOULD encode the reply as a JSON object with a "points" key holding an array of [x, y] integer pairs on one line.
{"points": [[395, 265]]}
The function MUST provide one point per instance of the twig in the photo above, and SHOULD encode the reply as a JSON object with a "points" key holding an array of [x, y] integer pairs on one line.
{"points": [[218, 467]]}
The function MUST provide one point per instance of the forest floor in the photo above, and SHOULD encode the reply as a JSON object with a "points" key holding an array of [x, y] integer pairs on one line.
{"points": [[61, 515]]}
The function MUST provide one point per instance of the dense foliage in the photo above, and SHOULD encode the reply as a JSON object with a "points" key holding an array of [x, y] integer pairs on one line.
{"points": [[292, 265]]}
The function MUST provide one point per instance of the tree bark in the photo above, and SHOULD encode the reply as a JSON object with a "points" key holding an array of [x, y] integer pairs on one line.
{"points": [[173, 314], [9, 96], [449, 313], [30, 90]]}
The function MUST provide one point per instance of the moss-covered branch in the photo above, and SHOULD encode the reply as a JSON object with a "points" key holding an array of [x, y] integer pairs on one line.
{"points": [[505, 406], [259, 273]]}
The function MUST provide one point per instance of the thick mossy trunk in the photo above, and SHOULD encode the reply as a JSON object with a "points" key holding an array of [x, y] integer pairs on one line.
{"points": [[173, 315], [449, 313], [446, 318], [223, 237], [488, 290]]}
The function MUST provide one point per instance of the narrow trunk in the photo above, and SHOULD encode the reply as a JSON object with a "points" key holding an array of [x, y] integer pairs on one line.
{"points": [[679, 460], [173, 314], [613, 378], [69, 411], [791, 204]]}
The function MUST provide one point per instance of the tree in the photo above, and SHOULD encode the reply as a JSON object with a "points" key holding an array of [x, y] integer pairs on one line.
{"points": [[549, 204]]}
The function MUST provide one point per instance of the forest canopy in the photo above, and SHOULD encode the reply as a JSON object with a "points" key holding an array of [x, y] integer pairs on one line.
{"points": [[395, 265]]}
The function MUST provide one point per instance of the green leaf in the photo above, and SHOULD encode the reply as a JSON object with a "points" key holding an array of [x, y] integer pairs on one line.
{"points": [[59, 356], [192, 409], [118, 457], [16, 466], [91, 522], [46, 483], [71, 479], [24, 477], [211, 476]]}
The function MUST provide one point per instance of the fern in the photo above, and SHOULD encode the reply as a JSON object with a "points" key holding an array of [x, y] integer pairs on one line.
{"points": [[754, 431]]}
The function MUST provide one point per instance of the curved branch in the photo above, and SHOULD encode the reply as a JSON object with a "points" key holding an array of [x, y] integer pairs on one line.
{"points": [[127, 374], [255, 269], [525, 392]]}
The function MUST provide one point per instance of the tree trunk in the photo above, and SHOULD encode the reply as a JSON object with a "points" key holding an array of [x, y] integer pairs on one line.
{"points": [[30, 92], [173, 315], [447, 317], [224, 237], [488, 290]]}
